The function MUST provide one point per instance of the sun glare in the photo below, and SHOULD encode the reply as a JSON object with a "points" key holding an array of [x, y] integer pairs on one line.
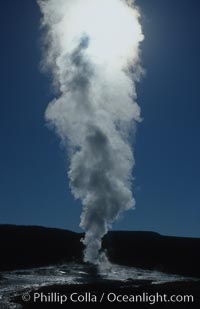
{"points": [[112, 26]]}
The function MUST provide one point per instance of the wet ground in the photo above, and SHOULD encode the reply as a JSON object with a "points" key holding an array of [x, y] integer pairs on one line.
{"points": [[81, 277]]}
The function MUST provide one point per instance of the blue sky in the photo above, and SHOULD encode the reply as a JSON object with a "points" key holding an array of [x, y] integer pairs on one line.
{"points": [[33, 183]]}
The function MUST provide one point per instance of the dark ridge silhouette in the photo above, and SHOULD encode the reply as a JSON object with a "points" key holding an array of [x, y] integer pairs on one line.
{"points": [[177, 255], [33, 246]]}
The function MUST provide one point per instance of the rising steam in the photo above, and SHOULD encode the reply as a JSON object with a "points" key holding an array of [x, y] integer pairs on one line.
{"points": [[92, 49]]}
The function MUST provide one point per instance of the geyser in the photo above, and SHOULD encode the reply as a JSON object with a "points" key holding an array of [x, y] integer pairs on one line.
{"points": [[92, 48]]}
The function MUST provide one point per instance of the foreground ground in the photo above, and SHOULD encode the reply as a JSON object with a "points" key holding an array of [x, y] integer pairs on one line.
{"points": [[169, 295]]}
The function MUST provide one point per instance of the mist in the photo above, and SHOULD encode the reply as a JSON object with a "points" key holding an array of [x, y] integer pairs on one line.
{"points": [[92, 49]]}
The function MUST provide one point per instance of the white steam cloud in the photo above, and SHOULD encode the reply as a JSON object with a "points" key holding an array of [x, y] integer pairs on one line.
{"points": [[92, 49]]}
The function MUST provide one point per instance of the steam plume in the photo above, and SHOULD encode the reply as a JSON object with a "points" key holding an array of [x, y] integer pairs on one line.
{"points": [[92, 50]]}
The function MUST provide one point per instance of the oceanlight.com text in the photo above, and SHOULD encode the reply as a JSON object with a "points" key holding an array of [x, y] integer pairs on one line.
{"points": [[87, 297]]}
